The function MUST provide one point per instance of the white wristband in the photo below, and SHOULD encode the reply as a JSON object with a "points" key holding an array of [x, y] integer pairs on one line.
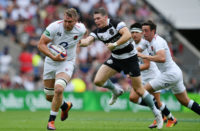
{"points": [[115, 44]]}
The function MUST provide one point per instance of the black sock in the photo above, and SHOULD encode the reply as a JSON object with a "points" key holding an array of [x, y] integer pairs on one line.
{"points": [[143, 103], [196, 108], [64, 106], [52, 118], [166, 112]]}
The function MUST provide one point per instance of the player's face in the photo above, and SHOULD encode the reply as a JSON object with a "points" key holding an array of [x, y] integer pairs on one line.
{"points": [[148, 33], [136, 36], [100, 20], [69, 22]]}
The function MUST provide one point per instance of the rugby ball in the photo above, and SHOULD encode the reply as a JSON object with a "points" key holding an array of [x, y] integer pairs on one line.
{"points": [[58, 49]]}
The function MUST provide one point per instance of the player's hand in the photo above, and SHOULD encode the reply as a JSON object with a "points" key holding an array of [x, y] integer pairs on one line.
{"points": [[141, 55], [110, 46], [59, 58], [83, 43]]}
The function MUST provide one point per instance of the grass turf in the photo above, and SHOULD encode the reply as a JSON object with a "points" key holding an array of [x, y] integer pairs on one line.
{"points": [[93, 121]]}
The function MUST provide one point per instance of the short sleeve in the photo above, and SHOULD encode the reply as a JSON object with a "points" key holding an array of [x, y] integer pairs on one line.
{"points": [[50, 31], [120, 25], [159, 46], [93, 34]]}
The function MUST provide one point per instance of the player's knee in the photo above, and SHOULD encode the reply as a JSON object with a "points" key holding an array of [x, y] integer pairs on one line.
{"points": [[60, 85], [133, 99], [98, 83], [139, 91]]}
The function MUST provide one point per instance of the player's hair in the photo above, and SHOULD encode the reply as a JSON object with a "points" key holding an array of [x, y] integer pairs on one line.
{"points": [[71, 12], [101, 11], [150, 24], [136, 25]]}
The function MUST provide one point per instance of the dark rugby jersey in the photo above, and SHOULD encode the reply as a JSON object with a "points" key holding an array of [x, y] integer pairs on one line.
{"points": [[110, 34]]}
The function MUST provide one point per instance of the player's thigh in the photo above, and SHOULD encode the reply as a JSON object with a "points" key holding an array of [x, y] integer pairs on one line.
{"points": [[133, 96], [104, 73], [136, 82], [183, 98], [137, 85]]}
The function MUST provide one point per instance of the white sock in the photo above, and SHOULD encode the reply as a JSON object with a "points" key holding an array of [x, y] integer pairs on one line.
{"points": [[145, 94], [53, 113], [190, 104], [139, 100]]}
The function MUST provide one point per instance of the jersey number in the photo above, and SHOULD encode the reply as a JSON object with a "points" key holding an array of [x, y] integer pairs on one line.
{"points": [[64, 44]]}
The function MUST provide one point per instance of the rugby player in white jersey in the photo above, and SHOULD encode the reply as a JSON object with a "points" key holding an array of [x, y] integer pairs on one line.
{"points": [[57, 70], [171, 75], [149, 71], [117, 37]]}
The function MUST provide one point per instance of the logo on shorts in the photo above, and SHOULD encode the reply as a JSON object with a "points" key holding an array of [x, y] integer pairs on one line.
{"points": [[109, 61], [130, 73], [166, 84]]}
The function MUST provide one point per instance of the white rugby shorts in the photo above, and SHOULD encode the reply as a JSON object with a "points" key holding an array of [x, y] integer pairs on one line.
{"points": [[51, 68], [172, 79]]}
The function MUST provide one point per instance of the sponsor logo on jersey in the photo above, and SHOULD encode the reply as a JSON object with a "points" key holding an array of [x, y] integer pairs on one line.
{"points": [[47, 33], [75, 37], [58, 34]]}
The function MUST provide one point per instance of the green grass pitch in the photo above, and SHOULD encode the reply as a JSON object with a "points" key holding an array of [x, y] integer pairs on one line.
{"points": [[93, 121]]}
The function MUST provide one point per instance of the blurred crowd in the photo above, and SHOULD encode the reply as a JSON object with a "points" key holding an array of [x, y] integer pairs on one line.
{"points": [[25, 20]]}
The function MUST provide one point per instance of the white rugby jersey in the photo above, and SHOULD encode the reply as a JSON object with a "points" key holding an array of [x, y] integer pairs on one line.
{"points": [[158, 43], [68, 39], [110, 34], [153, 71]]}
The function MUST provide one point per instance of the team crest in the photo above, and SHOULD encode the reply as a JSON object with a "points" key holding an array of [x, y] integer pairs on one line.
{"points": [[75, 37], [152, 48], [110, 61], [111, 31]]}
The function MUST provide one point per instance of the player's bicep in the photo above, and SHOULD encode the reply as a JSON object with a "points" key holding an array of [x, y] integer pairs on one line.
{"points": [[161, 55], [44, 40], [124, 30]]}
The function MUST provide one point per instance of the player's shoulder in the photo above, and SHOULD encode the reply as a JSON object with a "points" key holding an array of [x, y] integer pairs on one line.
{"points": [[159, 39], [80, 27], [55, 24], [115, 22]]}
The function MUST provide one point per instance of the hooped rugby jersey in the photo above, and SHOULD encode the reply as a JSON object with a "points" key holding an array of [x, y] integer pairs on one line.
{"points": [[110, 34], [158, 43], [68, 39], [153, 69]]}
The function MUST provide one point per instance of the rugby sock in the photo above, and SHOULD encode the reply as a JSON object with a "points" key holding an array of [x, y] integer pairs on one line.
{"points": [[194, 106], [166, 112], [108, 84], [52, 116], [141, 102], [64, 106], [149, 101]]}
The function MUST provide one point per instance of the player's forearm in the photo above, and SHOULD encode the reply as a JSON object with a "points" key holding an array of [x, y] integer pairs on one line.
{"points": [[44, 49], [87, 41], [155, 58], [124, 38]]}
